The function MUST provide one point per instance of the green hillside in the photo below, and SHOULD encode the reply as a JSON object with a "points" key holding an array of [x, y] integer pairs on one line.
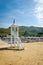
{"points": [[24, 31], [31, 31]]}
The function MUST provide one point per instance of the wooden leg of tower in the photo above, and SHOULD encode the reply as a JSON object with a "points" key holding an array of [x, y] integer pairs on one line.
{"points": [[11, 36], [11, 40]]}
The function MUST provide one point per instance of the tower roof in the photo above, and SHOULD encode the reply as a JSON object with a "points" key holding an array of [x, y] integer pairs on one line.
{"points": [[14, 25], [14, 21]]}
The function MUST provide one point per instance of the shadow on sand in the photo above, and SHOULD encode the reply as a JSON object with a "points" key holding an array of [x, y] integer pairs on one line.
{"points": [[11, 48]]}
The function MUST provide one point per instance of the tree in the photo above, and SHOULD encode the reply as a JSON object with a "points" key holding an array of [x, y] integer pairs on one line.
{"points": [[25, 34], [40, 34]]}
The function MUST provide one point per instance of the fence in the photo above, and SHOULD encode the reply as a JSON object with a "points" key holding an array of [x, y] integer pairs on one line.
{"points": [[32, 39], [25, 39]]}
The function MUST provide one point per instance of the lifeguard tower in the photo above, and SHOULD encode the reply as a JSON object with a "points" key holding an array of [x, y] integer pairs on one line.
{"points": [[15, 40]]}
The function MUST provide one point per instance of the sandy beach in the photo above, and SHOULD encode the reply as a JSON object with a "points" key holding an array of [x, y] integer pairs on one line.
{"points": [[31, 55]]}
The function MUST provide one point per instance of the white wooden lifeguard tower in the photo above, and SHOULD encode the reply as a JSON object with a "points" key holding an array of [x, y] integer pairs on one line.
{"points": [[15, 40]]}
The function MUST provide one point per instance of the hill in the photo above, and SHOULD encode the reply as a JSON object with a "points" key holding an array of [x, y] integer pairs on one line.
{"points": [[30, 31], [24, 31]]}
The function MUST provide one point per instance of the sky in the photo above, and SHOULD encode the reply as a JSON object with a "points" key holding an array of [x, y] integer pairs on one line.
{"points": [[25, 13]]}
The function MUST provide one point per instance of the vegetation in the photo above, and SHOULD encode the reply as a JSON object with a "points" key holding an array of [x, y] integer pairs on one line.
{"points": [[40, 34], [4, 32], [24, 31]]}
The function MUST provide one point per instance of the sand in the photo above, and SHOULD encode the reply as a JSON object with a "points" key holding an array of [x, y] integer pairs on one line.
{"points": [[31, 55]]}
